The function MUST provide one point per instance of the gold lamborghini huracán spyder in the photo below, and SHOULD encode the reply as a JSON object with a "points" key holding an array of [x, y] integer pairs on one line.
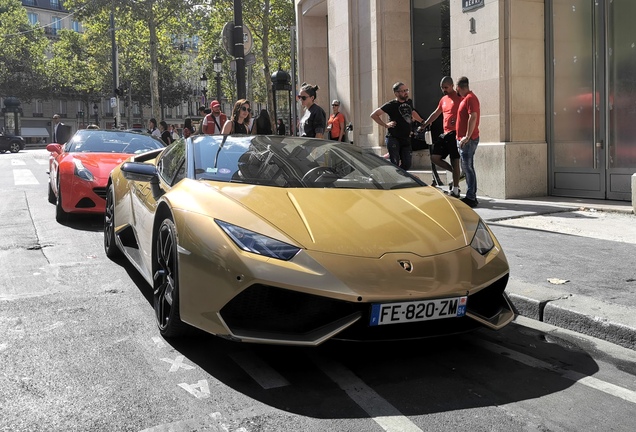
{"points": [[289, 240]]}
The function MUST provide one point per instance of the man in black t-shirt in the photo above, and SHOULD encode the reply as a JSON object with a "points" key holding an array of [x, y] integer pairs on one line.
{"points": [[398, 135]]}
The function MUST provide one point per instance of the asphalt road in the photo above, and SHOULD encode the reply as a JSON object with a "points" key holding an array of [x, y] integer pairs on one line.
{"points": [[80, 352]]}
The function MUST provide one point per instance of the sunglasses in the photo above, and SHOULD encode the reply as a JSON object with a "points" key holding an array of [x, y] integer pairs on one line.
{"points": [[302, 97], [246, 109]]}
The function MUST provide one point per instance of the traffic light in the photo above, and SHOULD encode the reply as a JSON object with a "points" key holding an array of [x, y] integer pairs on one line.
{"points": [[121, 91]]}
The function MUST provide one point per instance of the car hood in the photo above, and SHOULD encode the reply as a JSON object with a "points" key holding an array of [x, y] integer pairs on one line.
{"points": [[99, 164], [365, 223]]}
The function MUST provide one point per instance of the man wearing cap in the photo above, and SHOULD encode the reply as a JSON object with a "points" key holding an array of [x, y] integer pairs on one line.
{"points": [[61, 132], [213, 122], [336, 122]]}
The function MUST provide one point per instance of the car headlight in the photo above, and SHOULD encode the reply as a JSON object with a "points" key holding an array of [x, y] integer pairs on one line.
{"points": [[482, 241], [82, 172], [259, 244]]}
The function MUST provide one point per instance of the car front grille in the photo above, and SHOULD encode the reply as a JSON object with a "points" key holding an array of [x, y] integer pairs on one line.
{"points": [[488, 302], [100, 192], [269, 309]]}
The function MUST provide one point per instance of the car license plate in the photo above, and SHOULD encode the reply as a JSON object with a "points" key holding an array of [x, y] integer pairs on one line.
{"points": [[423, 310]]}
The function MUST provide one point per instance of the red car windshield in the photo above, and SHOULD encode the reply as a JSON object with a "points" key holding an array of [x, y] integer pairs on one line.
{"points": [[105, 141]]}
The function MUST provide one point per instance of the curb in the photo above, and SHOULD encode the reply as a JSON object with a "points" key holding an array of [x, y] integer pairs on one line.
{"points": [[611, 322]]}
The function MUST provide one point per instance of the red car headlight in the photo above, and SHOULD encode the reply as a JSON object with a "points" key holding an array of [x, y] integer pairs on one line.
{"points": [[81, 172]]}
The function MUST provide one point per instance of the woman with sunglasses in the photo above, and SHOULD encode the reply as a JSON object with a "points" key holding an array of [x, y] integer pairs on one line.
{"points": [[314, 121], [240, 122]]}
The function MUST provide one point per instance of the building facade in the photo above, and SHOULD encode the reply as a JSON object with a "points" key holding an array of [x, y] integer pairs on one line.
{"points": [[555, 80]]}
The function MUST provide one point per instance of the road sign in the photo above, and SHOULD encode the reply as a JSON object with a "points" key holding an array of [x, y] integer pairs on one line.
{"points": [[228, 39], [113, 102]]}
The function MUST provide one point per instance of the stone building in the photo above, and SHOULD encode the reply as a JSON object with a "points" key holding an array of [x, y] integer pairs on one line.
{"points": [[555, 80]]}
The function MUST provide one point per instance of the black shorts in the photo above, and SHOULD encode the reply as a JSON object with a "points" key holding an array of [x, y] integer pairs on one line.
{"points": [[446, 145]]}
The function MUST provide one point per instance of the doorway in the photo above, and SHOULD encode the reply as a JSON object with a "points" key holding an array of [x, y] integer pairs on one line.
{"points": [[591, 53]]}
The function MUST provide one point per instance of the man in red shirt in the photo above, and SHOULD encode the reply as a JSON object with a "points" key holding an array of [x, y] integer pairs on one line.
{"points": [[213, 122], [467, 129], [447, 143]]}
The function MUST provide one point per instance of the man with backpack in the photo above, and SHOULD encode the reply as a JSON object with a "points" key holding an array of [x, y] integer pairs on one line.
{"points": [[213, 122]]}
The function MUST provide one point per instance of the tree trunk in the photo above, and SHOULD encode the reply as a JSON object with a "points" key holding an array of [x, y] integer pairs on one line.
{"points": [[154, 71]]}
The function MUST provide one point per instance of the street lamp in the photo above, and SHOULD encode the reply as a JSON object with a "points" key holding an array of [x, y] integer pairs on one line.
{"points": [[96, 114], [281, 88], [204, 86], [217, 64]]}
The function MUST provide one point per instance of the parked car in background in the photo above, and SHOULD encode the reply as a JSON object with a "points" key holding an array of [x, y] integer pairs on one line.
{"points": [[11, 143], [79, 170], [295, 241]]}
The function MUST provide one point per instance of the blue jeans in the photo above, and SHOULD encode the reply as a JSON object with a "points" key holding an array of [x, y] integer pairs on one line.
{"points": [[467, 156], [399, 151]]}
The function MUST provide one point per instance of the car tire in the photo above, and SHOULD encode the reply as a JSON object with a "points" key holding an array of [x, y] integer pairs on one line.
{"points": [[14, 147], [110, 245], [60, 215], [166, 282], [52, 198], [2, 151]]}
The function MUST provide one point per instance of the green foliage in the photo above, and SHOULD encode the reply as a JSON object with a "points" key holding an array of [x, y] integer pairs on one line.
{"points": [[269, 22], [23, 48], [153, 62]]}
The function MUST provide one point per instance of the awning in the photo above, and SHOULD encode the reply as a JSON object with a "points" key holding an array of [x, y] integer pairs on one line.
{"points": [[34, 132]]}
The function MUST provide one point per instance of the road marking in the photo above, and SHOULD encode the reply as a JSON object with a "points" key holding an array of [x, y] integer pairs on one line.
{"points": [[17, 162], [177, 364], [380, 410], [260, 371], [24, 177], [42, 161], [159, 343], [210, 422], [595, 383], [200, 390]]}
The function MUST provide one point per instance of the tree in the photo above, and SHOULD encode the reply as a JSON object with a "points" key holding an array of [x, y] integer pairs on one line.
{"points": [[23, 48], [269, 22], [75, 69], [159, 18]]}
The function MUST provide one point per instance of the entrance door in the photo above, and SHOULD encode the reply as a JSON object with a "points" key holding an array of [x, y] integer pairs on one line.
{"points": [[593, 97]]}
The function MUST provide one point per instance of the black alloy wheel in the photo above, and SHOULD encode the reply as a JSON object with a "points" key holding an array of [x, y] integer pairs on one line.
{"points": [[166, 282], [110, 245], [15, 147]]}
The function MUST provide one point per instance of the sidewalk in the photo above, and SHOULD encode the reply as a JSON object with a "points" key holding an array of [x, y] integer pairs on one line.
{"points": [[593, 240]]}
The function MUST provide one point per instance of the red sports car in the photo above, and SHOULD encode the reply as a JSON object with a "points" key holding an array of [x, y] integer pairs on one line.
{"points": [[79, 170]]}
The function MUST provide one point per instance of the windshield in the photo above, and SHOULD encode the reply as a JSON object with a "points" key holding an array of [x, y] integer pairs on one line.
{"points": [[294, 162], [105, 141]]}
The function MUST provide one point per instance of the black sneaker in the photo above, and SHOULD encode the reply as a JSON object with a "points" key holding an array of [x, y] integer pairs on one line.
{"points": [[453, 194], [472, 203]]}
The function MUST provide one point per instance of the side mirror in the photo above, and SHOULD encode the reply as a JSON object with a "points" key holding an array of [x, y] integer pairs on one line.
{"points": [[142, 172], [54, 148]]}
